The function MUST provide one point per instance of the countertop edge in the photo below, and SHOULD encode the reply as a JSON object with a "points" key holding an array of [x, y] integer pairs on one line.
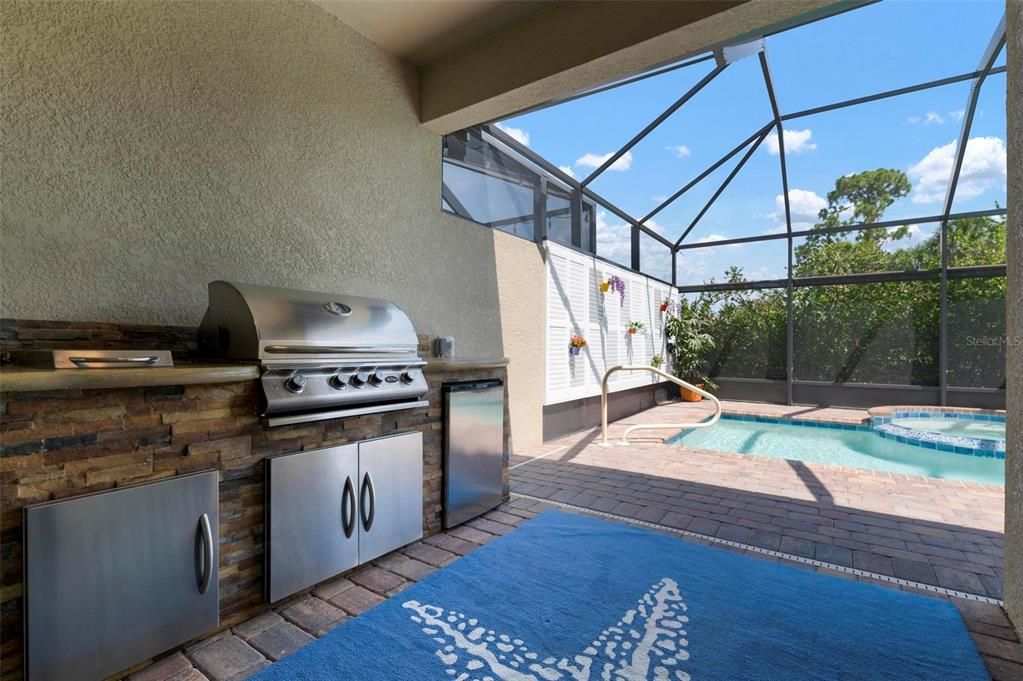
{"points": [[455, 363], [18, 379], [38, 380]]}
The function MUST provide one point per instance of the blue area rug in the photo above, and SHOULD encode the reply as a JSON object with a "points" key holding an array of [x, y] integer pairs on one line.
{"points": [[580, 599]]}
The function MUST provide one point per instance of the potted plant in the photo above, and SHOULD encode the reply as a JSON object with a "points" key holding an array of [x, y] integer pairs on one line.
{"points": [[634, 327], [656, 361], [575, 344], [687, 343], [664, 305]]}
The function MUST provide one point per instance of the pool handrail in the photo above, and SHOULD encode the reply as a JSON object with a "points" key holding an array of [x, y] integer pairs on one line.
{"points": [[651, 426]]}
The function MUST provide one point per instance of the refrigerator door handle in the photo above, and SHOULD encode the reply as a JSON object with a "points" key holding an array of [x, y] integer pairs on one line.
{"points": [[367, 510], [348, 507], [206, 549]]}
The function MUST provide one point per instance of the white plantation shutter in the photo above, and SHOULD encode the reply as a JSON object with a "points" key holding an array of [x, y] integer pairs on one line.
{"points": [[576, 306]]}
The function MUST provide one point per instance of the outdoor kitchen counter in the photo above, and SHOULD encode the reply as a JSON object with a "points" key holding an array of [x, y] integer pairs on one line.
{"points": [[23, 379]]}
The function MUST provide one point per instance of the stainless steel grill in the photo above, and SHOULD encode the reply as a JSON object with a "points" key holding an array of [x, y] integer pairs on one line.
{"points": [[323, 356]]}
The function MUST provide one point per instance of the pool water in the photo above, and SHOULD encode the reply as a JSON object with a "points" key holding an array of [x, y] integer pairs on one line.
{"points": [[991, 430], [858, 448]]}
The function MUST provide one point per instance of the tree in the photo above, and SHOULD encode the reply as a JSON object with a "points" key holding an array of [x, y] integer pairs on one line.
{"points": [[868, 333]]}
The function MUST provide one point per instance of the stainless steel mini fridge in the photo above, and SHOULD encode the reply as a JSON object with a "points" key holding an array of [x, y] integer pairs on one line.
{"points": [[473, 448]]}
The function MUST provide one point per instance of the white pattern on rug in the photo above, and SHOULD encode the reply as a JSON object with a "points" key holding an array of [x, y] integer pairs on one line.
{"points": [[647, 643]]}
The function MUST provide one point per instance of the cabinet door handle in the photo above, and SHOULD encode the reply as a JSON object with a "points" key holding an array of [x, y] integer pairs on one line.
{"points": [[348, 507], [367, 510], [206, 548]]}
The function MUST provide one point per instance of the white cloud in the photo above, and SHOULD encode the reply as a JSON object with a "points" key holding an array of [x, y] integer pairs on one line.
{"points": [[567, 170], [804, 205], [930, 117], [984, 167], [680, 150], [957, 114], [796, 142], [913, 120], [596, 160], [517, 134]]}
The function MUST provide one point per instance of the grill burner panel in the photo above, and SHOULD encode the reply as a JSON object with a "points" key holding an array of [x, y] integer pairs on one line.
{"points": [[323, 356]]}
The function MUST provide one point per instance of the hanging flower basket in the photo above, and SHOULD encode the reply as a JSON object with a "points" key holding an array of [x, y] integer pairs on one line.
{"points": [[656, 361], [634, 327], [614, 283], [664, 305], [575, 344]]}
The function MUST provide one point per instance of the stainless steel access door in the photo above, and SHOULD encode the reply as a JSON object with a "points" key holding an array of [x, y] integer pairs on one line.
{"points": [[390, 494], [312, 524], [117, 577], [473, 449]]}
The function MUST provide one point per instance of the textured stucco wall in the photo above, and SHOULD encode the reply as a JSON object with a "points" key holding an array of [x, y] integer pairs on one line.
{"points": [[149, 147], [522, 286], [1014, 300]]}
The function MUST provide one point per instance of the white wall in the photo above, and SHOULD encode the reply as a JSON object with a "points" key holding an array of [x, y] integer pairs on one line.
{"points": [[575, 305]]}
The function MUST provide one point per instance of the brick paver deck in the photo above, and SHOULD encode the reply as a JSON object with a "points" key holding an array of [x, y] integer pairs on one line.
{"points": [[944, 533], [932, 531], [237, 653]]}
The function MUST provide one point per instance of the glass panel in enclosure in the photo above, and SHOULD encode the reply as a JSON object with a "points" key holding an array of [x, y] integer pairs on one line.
{"points": [[559, 215], [482, 183], [883, 160], [982, 180], [578, 135], [884, 333], [654, 258], [976, 333], [588, 227], [748, 328], [726, 111], [614, 238], [893, 249], [756, 261], [882, 46], [976, 241]]}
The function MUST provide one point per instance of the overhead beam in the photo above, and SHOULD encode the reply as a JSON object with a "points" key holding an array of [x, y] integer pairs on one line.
{"points": [[675, 106], [571, 47]]}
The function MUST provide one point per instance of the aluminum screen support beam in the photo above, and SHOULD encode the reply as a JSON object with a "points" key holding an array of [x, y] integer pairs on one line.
{"points": [[721, 189], [653, 124], [789, 322], [710, 169], [889, 93], [987, 61], [845, 228], [456, 205]]}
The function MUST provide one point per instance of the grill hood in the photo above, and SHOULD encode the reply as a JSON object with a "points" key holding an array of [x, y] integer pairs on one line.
{"points": [[322, 356], [246, 322]]}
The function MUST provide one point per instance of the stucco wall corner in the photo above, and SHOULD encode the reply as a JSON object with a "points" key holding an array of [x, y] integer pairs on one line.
{"points": [[1013, 580]]}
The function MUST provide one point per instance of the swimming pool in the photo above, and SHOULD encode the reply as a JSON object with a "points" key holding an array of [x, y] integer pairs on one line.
{"points": [[857, 446]]}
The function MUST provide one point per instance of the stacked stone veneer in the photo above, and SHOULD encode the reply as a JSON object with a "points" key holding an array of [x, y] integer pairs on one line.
{"points": [[60, 444]]}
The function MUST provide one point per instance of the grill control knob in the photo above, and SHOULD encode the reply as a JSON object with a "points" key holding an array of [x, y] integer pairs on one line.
{"points": [[337, 381], [358, 380], [296, 383], [407, 377], [376, 378]]}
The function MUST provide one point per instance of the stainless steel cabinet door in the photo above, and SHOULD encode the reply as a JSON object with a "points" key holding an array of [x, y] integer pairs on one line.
{"points": [[473, 450], [117, 577], [311, 518], [390, 494]]}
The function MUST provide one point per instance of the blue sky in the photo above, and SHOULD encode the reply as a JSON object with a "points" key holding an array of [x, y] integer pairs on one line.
{"points": [[883, 46]]}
